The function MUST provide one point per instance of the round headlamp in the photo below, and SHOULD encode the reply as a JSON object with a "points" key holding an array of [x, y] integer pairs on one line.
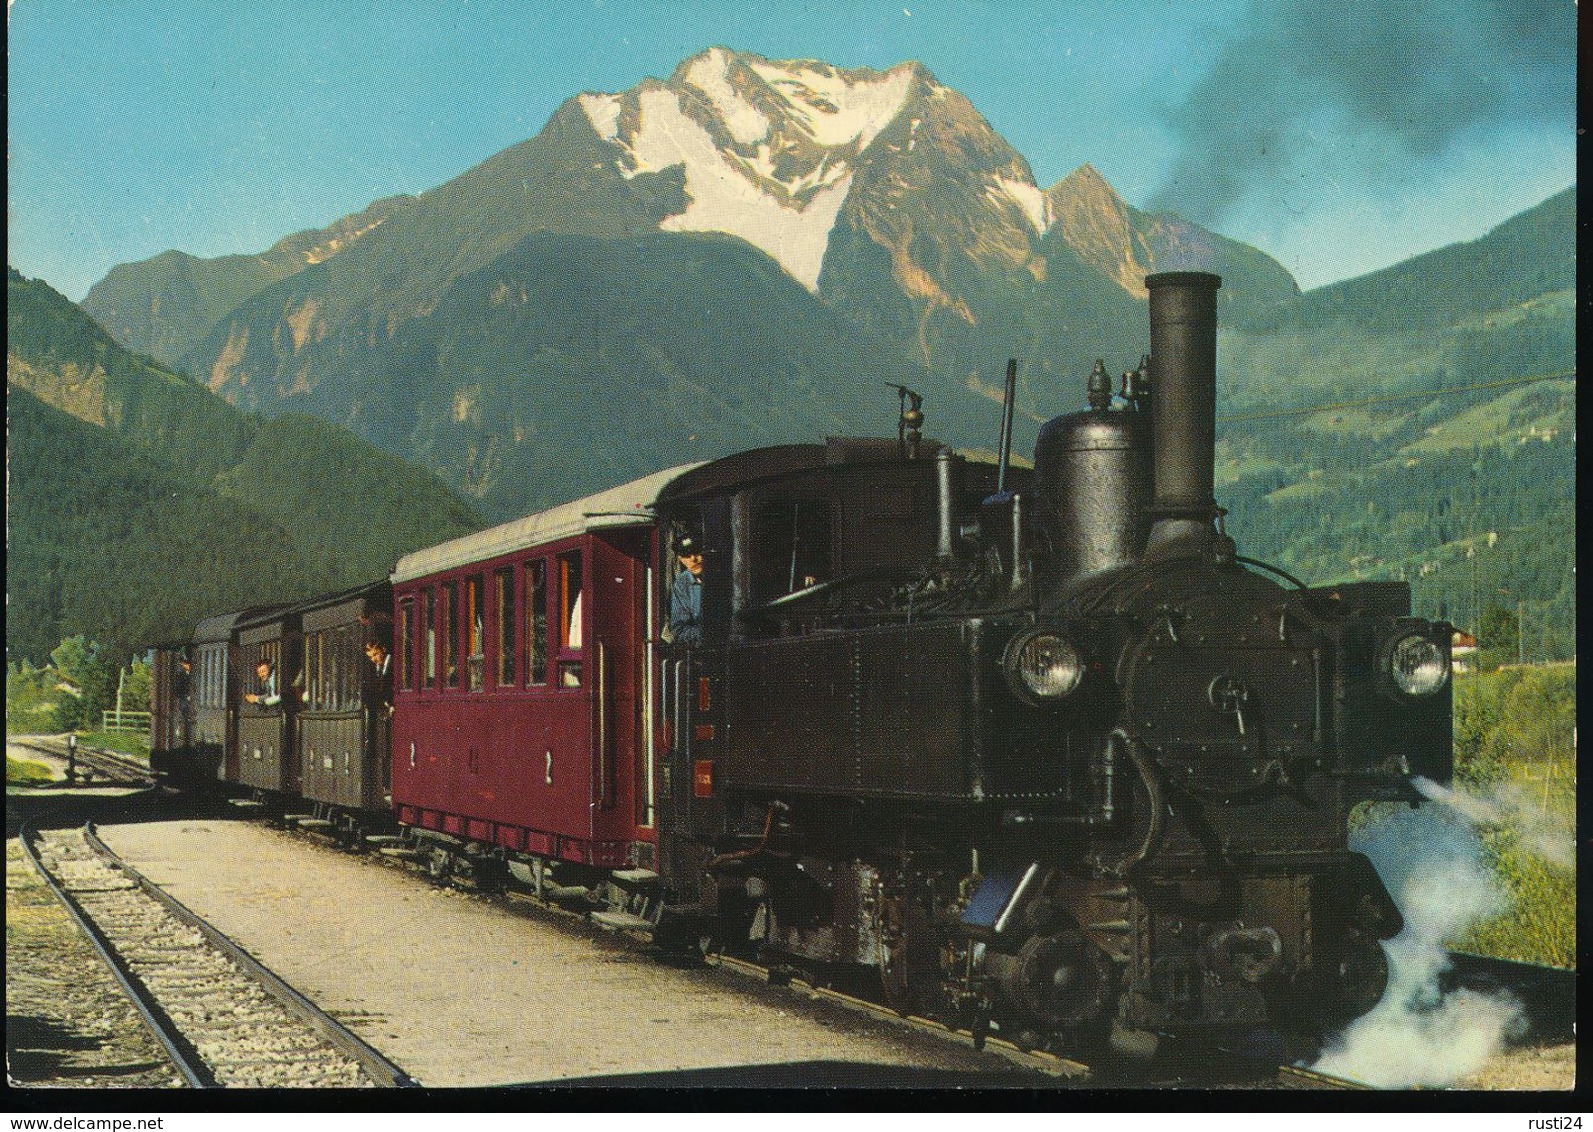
{"points": [[1417, 665], [1042, 666]]}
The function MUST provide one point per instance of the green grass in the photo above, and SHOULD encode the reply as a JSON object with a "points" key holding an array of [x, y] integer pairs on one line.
{"points": [[1510, 418], [22, 772], [1540, 926], [1514, 739], [127, 742]]}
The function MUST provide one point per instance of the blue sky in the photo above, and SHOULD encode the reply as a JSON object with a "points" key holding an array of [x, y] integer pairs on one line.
{"points": [[1337, 142]]}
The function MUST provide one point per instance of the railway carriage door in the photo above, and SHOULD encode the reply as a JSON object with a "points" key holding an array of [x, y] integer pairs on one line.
{"points": [[561, 725], [292, 672], [619, 571], [230, 685]]}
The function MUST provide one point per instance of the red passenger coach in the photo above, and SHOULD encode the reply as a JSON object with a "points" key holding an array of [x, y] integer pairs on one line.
{"points": [[522, 666]]}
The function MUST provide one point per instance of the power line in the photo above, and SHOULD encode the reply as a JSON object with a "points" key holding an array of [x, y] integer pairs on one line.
{"points": [[1394, 397]]}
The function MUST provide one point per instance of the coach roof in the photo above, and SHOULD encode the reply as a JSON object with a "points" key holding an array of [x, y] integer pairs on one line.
{"points": [[629, 504]]}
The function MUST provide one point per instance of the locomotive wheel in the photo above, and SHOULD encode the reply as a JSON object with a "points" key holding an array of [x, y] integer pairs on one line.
{"points": [[1062, 980], [439, 864], [1361, 974], [1347, 988]]}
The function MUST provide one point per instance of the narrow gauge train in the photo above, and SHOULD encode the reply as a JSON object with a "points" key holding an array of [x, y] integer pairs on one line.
{"points": [[1039, 750]]}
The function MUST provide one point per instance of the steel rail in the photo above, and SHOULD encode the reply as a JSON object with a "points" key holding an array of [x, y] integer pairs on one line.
{"points": [[1294, 1076], [181, 1052], [381, 1071], [114, 765], [1050, 1063]]}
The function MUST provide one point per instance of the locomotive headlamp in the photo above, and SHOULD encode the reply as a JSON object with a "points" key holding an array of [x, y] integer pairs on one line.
{"points": [[1042, 666], [1416, 664]]}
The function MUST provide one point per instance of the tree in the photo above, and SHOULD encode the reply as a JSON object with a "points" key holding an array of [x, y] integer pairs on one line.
{"points": [[81, 664], [137, 686], [1497, 635]]}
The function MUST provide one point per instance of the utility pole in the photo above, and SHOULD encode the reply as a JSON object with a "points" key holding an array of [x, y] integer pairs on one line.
{"points": [[1476, 600]]}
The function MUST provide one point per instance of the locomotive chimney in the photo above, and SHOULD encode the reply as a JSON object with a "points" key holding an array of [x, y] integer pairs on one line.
{"points": [[1183, 328]]}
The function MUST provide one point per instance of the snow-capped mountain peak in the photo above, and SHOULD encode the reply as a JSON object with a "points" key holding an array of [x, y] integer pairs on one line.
{"points": [[768, 148]]}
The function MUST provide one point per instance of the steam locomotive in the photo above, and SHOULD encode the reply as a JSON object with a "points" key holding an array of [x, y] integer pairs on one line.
{"points": [[1033, 751]]}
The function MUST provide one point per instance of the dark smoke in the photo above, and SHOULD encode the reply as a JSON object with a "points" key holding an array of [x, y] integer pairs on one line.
{"points": [[1381, 83]]}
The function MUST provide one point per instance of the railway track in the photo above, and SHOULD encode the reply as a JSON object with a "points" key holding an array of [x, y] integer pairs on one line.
{"points": [[93, 764], [223, 1019]]}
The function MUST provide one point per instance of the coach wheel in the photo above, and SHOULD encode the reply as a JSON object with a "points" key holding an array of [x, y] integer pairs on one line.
{"points": [[439, 864]]}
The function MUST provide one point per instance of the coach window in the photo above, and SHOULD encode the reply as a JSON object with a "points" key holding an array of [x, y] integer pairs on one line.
{"points": [[475, 632], [269, 653], [343, 690], [569, 566], [404, 644], [503, 593], [314, 671], [536, 622], [448, 626], [429, 656]]}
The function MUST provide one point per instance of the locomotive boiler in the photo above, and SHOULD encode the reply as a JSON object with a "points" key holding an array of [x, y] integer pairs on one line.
{"points": [[1055, 758]]}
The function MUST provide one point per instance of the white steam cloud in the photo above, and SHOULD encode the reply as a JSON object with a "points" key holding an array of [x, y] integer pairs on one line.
{"points": [[1508, 806], [1418, 1035]]}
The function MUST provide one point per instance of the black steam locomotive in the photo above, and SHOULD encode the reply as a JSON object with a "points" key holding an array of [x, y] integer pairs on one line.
{"points": [[1035, 750], [1077, 765]]}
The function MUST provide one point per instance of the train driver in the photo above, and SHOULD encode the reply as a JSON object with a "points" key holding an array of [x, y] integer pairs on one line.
{"points": [[685, 599], [266, 676]]}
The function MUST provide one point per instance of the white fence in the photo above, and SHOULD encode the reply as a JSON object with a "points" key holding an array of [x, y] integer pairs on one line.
{"points": [[115, 719]]}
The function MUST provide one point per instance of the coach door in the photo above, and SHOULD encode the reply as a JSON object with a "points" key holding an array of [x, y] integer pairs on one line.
{"points": [[620, 802]]}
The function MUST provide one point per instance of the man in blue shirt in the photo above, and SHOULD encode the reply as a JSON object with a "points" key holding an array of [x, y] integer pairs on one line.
{"points": [[685, 599]]}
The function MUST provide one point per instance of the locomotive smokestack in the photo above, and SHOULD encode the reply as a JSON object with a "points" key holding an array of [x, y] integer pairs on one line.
{"points": [[1183, 328]]}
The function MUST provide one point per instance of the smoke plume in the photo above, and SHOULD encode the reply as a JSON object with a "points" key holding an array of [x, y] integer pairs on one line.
{"points": [[1418, 1035], [1381, 82]]}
